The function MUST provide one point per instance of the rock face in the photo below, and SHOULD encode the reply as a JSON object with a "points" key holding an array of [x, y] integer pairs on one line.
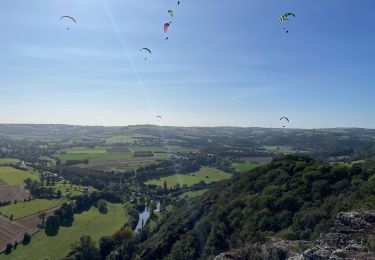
{"points": [[273, 249], [347, 239]]}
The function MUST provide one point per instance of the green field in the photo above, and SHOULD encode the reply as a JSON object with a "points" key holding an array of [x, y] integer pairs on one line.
{"points": [[90, 223], [10, 175], [244, 166], [279, 149], [95, 154], [193, 194], [73, 190], [8, 160], [100, 154], [162, 149], [22, 209], [206, 174], [126, 139]]}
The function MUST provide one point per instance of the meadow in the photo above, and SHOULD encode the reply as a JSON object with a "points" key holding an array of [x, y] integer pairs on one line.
{"points": [[206, 174], [71, 189], [126, 139], [10, 175], [22, 209], [95, 154], [90, 223], [8, 160], [244, 166]]}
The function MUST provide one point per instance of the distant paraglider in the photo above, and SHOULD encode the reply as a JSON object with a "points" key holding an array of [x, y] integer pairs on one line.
{"points": [[284, 119], [284, 18], [171, 13], [68, 17], [146, 50], [166, 27]]}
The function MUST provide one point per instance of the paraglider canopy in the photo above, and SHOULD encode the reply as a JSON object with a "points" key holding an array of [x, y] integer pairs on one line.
{"points": [[287, 119], [285, 17], [284, 118], [147, 50], [166, 27], [69, 18]]}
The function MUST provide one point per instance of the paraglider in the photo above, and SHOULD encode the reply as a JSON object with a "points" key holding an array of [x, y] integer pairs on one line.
{"points": [[171, 13], [285, 119], [284, 18], [147, 50], [166, 27], [68, 17]]}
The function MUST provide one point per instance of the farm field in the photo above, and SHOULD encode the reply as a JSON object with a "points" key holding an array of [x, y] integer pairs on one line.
{"points": [[162, 149], [13, 192], [90, 223], [279, 149], [244, 166], [22, 209], [125, 165], [8, 160], [206, 174], [93, 155], [126, 139], [72, 190], [10, 175]]}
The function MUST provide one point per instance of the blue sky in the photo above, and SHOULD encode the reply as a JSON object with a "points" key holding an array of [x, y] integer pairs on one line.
{"points": [[225, 63]]}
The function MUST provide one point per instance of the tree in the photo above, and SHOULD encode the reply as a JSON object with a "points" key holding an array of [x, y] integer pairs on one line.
{"points": [[106, 245], [152, 208], [52, 225], [102, 206], [165, 185], [8, 248], [26, 239], [84, 249], [42, 217]]}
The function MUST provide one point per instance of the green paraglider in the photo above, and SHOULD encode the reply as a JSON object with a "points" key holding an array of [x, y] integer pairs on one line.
{"points": [[171, 13], [147, 50]]}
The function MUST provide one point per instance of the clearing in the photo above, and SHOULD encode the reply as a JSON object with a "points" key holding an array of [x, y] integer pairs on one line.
{"points": [[13, 193], [206, 174], [11, 175], [90, 223], [22, 209]]}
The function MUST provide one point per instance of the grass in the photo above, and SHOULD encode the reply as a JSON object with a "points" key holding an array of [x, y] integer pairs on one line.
{"points": [[193, 194], [11, 175], [22, 209], [100, 155], [206, 174], [162, 149], [244, 166], [125, 139], [279, 149], [72, 190], [8, 160], [90, 223]]}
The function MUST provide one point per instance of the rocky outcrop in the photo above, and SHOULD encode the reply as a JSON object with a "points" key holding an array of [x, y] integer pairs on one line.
{"points": [[347, 239], [273, 249], [350, 238]]}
